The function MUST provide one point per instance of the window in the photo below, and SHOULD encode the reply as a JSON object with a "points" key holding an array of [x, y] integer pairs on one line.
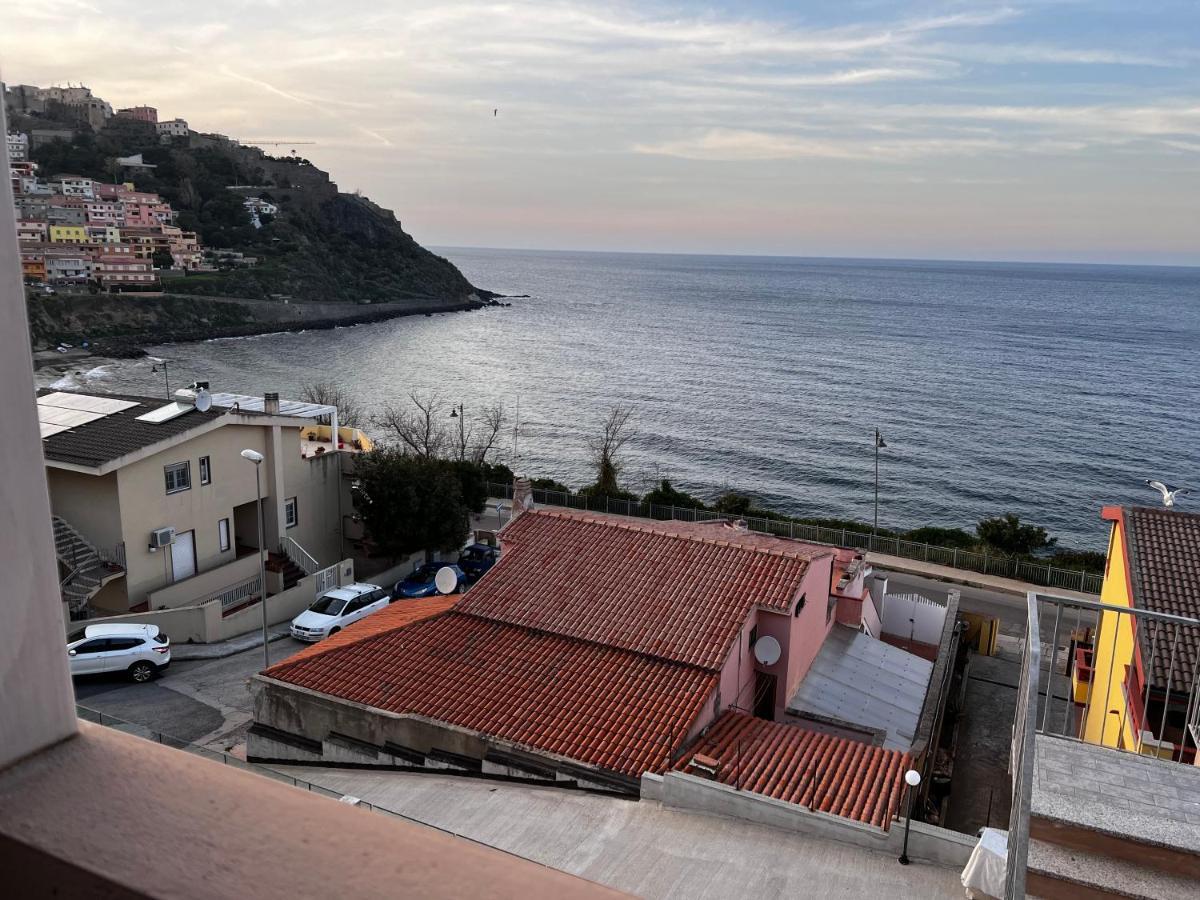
{"points": [[97, 646], [124, 643], [753, 636], [800, 604], [223, 534], [179, 477], [205, 465], [289, 512]]}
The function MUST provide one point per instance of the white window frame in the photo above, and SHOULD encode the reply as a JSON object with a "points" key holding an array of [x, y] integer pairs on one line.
{"points": [[186, 467], [224, 541], [205, 462], [291, 513]]}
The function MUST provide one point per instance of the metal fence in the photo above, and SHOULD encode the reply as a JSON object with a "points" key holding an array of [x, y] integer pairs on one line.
{"points": [[142, 731], [1025, 570], [1085, 662]]}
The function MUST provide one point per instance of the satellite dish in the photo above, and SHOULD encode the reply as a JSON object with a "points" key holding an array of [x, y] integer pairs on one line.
{"points": [[767, 650], [203, 400], [445, 580]]}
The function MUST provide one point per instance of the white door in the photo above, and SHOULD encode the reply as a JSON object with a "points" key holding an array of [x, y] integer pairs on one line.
{"points": [[183, 556]]}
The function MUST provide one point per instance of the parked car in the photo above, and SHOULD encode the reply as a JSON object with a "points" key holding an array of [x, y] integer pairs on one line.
{"points": [[141, 651], [476, 559], [421, 582], [336, 609]]}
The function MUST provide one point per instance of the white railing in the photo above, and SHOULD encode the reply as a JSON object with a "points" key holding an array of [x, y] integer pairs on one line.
{"points": [[237, 594], [302, 559], [325, 580]]}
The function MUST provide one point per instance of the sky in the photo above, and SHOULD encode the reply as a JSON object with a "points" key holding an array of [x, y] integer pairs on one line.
{"points": [[1042, 130]]}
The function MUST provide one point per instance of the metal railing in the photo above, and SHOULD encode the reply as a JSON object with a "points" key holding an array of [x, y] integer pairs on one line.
{"points": [[303, 560], [237, 594], [1114, 676], [1025, 570], [149, 734]]}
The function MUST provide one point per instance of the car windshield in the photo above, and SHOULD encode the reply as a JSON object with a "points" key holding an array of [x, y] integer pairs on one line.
{"points": [[424, 574], [328, 605]]}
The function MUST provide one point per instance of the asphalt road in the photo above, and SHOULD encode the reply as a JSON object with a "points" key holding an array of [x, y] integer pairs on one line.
{"points": [[202, 702]]}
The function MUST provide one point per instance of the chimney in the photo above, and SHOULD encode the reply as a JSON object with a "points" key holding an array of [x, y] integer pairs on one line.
{"points": [[522, 498], [271, 402]]}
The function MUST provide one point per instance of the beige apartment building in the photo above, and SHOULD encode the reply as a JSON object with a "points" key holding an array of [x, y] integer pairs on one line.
{"points": [[155, 507]]}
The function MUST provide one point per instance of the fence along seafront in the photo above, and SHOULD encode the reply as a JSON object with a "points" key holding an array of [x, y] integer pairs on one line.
{"points": [[1031, 572]]}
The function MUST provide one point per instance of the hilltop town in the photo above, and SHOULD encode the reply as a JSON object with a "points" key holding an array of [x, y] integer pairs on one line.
{"points": [[126, 201]]}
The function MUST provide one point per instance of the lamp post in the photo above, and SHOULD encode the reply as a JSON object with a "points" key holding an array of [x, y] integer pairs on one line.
{"points": [[912, 778], [166, 377], [879, 444], [457, 412], [255, 457]]}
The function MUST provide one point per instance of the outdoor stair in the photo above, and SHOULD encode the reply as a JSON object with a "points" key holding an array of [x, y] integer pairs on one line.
{"points": [[87, 572], [292, 573], [1105, 823]]}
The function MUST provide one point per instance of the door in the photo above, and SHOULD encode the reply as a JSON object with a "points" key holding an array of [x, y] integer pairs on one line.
{"points": [[764, 695], [88, 656], [116, 656], [183, 556]]}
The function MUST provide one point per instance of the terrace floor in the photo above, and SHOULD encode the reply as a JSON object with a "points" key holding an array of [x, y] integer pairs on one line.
{"points": [[639, 847]]}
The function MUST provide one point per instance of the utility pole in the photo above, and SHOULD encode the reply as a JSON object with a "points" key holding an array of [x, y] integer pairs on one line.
{"points": [[878, 445]]}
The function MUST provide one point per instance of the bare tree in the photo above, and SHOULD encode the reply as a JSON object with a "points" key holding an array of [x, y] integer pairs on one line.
{"points": [[605, 447], [330, 393], [420, 430], [491, 424]]}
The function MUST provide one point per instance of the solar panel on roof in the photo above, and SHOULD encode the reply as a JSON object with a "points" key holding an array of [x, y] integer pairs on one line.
{"points": [[47, 429], [166, 413], [106, 406]]}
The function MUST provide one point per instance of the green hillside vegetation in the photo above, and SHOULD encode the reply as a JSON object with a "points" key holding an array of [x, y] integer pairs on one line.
{"points": [[323, 244]]}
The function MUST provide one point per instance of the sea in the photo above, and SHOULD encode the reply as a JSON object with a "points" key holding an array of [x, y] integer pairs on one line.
{"points": [[1043, 390]]}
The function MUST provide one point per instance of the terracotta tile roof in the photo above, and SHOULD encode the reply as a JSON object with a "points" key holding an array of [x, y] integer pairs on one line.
{"points": [[634, 585], [597, 705], [1164, 558], [396, 615], [819, 771]]}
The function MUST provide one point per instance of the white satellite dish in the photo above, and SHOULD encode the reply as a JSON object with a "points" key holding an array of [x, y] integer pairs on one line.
{"points": [[203, 400], [445, 580], [767, 650]]}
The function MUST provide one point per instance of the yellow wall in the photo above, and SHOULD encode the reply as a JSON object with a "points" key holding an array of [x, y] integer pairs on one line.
{"points": [[1107, 720], [68, 234]]}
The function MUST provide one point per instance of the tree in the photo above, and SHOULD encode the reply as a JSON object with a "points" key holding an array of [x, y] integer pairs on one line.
{"points": [[163, 259], [1008, 535], [420, 431], [666, 495], [491, 422], [616, 432], [734, 504], [330, 393], [410, 503]]}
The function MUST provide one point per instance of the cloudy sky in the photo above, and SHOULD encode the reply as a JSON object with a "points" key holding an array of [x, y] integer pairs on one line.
{"points": [[1047, 129]]}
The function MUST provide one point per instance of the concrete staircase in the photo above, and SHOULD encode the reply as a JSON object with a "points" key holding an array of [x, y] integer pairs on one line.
{"points": [[291, 572], [85, 571], [1109, 824]]}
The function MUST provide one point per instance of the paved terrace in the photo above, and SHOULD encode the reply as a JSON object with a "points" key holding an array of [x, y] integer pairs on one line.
{"points": [[640, 847]]}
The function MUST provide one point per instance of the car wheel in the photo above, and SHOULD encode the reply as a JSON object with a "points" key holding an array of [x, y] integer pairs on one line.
{"points": [[332, 632], [141, 672]]}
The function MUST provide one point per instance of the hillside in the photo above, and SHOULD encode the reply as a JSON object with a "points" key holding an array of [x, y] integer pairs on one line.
{"points": [[323, 245]]}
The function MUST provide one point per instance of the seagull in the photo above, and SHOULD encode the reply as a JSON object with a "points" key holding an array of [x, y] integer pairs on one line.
{"points": [[1168, 495]]}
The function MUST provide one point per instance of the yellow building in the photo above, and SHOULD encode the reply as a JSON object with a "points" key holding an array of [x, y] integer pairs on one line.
{"points": [[1144, 671], [68, 234]]}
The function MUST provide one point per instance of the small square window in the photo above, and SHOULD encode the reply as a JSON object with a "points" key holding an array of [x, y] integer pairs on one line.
{"points": [[289, 512], [223, 534], [753, 636], [205, 470], [178, 477]]}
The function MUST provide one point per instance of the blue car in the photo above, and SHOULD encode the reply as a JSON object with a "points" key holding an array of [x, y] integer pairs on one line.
{"points": [[421, 582], [476, 560]]}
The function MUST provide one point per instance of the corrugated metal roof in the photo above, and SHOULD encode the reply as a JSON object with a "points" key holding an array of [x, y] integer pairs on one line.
{"points": [[863, 681], [247, 403]]}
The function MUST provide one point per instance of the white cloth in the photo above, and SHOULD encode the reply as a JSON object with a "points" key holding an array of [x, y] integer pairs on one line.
{"points": [[983, 874]]}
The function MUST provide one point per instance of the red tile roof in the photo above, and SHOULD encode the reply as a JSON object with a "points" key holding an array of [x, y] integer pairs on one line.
{"points": [[1164, 559], [397, 615], [598, 705], [819, 771], [635, 585]]}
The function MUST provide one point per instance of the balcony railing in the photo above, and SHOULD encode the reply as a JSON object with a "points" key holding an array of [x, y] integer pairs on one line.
{"points": [[1119, 693]]}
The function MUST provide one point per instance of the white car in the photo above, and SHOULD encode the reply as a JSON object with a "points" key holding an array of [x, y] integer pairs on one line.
{"points": [[336, 609], [139, 650]]}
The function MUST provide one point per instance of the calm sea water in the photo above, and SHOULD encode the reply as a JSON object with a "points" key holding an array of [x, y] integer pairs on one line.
{"points": [[1045, 390]]}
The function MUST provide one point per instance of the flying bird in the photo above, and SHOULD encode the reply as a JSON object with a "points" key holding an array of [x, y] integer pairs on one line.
{"points": [[1168, 495]]}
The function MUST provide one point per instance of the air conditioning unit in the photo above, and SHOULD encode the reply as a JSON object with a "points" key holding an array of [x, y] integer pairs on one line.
{"points": [[161, 537]]}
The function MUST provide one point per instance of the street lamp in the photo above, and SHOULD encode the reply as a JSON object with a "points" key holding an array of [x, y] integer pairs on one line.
{"points": [[255, 457], [457, 412], [166, 377], [879, 444], [912, 778]]}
